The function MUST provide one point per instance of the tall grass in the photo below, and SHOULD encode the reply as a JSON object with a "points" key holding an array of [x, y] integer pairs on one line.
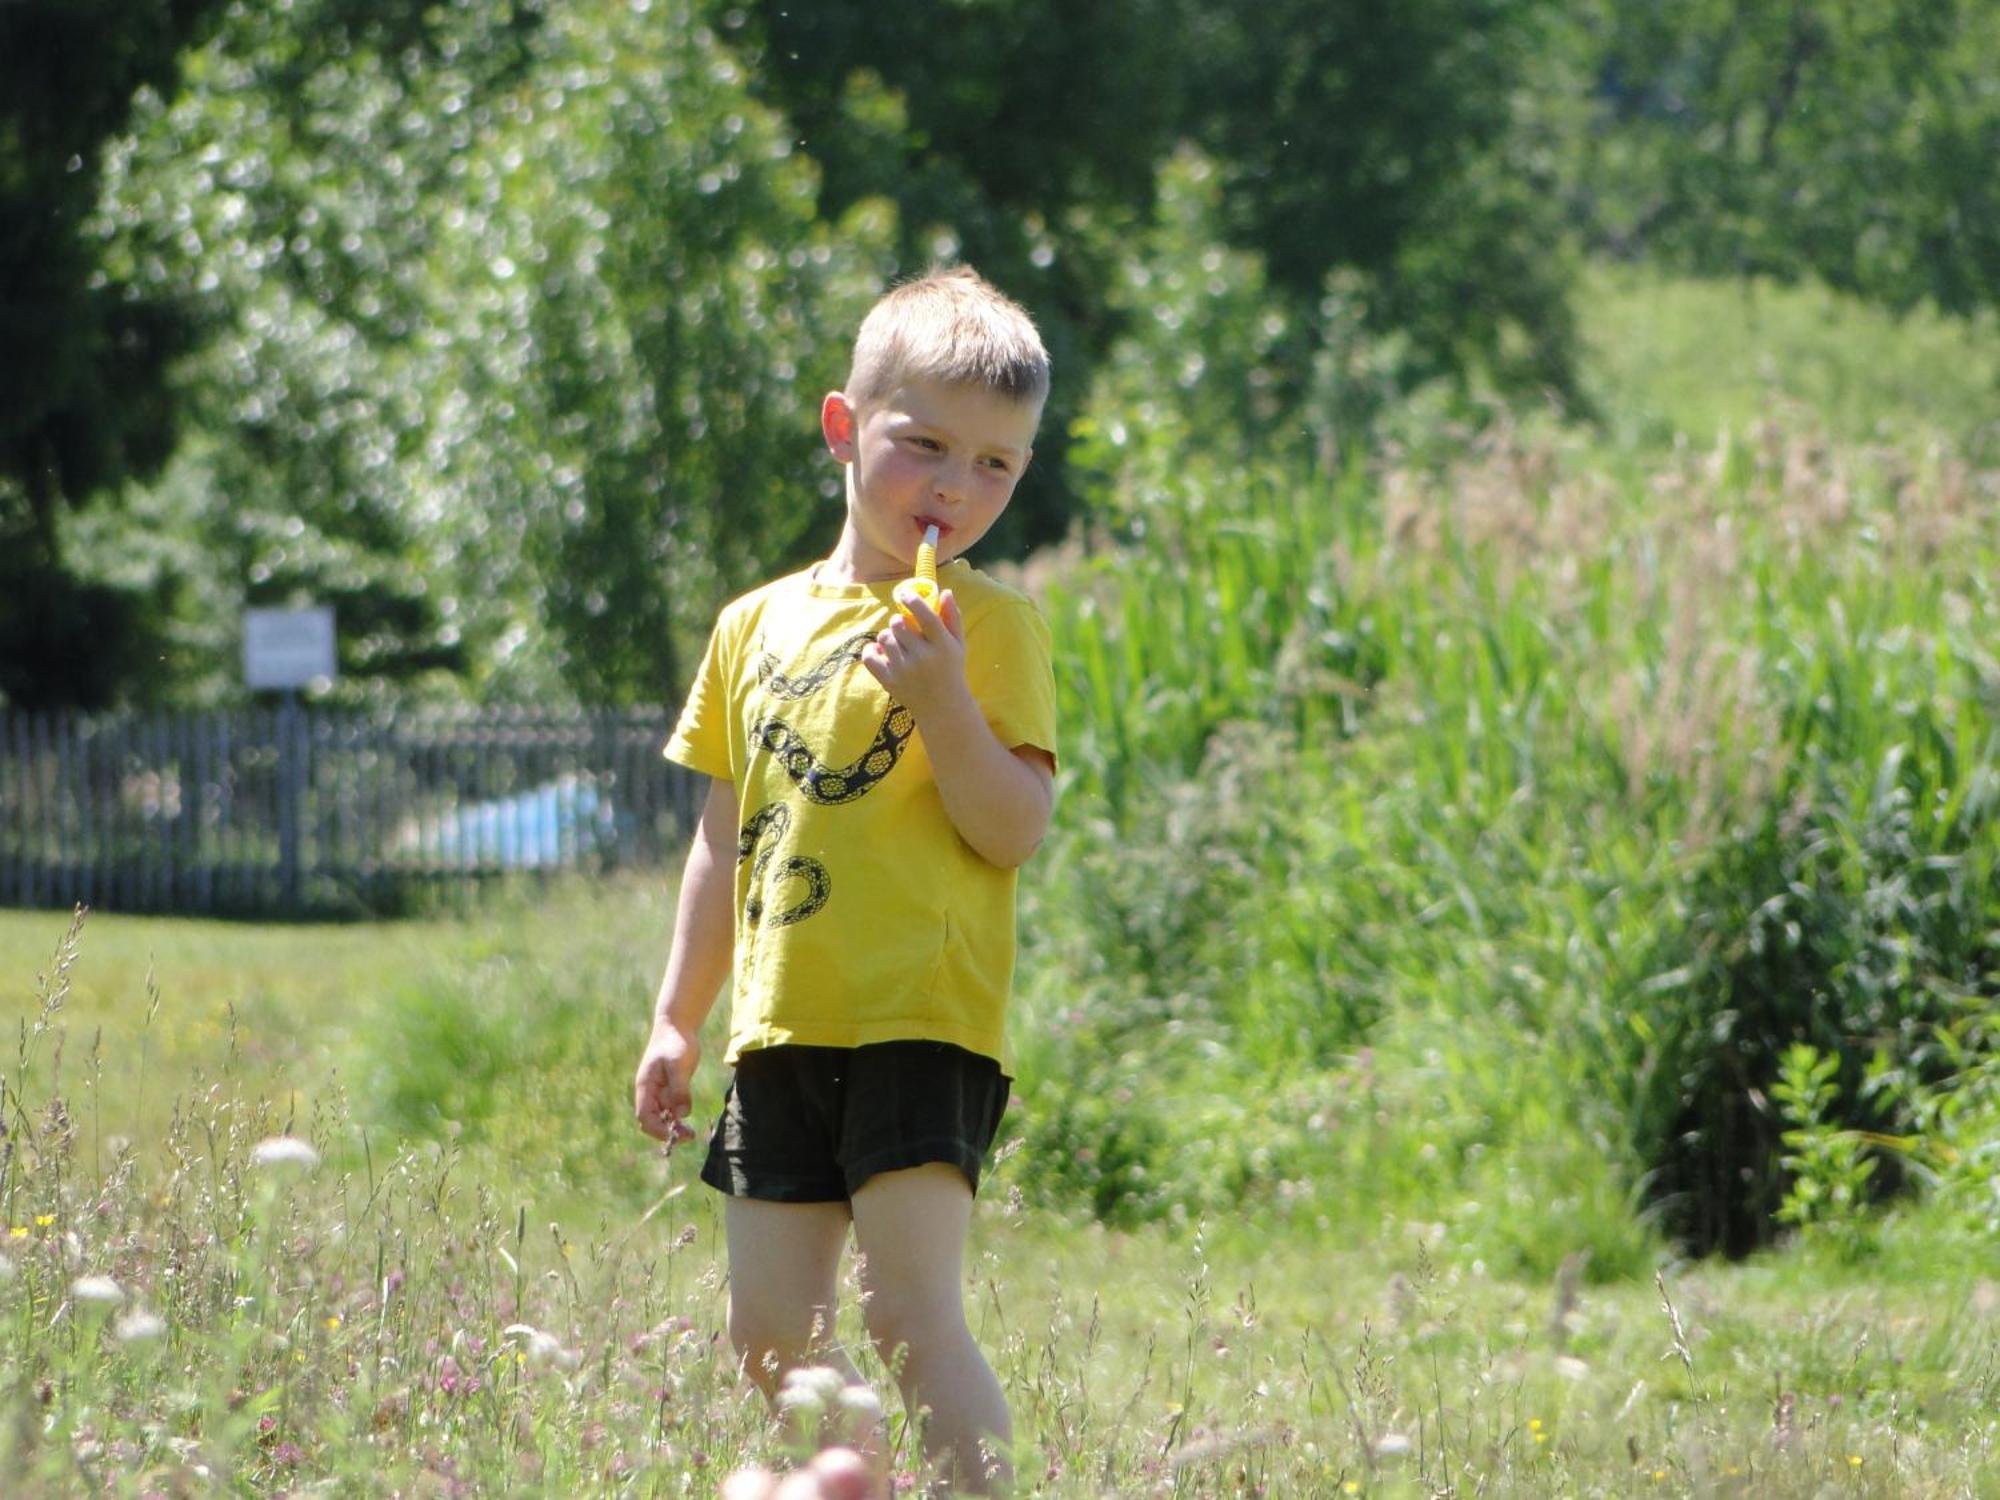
{"points": [[1562, 786]]}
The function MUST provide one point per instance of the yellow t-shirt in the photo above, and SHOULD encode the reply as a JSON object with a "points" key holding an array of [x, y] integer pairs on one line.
{"points": [[861, 915]]}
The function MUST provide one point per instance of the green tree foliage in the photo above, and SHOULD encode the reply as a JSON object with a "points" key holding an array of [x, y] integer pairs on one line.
{"points": [[517, 338], [1384, 139], [1853, 142], [82, 356]]}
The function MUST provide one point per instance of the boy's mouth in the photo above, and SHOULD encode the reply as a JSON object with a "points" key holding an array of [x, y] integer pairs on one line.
{"points": [[944, 527]]}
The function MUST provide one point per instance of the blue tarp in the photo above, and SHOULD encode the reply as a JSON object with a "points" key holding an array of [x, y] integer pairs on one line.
{"points": [[543, 828]]}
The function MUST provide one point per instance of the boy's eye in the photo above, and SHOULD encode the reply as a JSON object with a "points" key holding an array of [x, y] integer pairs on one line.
{"points": [[929, 445], [998, 465]]}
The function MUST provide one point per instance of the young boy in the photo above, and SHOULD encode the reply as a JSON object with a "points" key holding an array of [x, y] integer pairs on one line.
{"points": [[874, 785]]}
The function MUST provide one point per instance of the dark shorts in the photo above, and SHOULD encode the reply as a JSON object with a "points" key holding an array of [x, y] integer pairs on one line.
{"points": [[812, 1124]]}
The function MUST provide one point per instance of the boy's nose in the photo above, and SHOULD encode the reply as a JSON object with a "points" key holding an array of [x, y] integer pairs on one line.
{"points": [[952, 481]]}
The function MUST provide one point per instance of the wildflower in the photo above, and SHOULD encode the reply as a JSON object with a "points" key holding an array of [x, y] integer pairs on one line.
{"points": [[859, 1401], [1391, 1445], [539, 1346], [43, 1221], [99, 1290], [814, 1385], [139, 1327], [333, 1323], [6, 1268], [18, 1232], [283, 1151], [1854, 1460], [1352, 1487]]}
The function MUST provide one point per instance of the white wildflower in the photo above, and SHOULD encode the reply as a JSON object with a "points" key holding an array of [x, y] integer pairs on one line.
{"points": [[540, 1346], [139, 1327], [101, 1291], [1391, 1445], [1570, 1367], [801, 1400], [859, 1401], [283, 1151], [821, 1384], [6, 1269]]}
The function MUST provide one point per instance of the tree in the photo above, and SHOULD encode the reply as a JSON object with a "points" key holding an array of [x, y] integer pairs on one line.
{"points": [[83, 357], [1853, 142], [516, 340]]}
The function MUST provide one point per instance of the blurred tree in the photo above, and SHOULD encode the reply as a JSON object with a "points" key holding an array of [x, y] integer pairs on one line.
{"points": [[83, 356], [1385, 139], [1853, 142], [517, 341]]}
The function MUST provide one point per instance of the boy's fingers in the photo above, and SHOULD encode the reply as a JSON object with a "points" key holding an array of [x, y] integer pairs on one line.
{"points": [[948, 614], [921, 616]]}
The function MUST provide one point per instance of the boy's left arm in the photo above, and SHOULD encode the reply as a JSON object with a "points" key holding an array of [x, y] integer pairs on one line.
{"points": [[998, 797]]}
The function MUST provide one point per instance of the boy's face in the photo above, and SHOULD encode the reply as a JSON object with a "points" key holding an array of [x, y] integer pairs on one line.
{"points": [[926, 454]]}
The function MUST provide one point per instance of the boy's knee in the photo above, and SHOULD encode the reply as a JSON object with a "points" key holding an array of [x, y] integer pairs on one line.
{"points": [[899, 1330], [768, 1345]]}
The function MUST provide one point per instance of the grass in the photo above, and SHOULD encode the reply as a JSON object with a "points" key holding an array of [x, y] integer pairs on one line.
{"points": [[443, 1314], [1521, 794]]}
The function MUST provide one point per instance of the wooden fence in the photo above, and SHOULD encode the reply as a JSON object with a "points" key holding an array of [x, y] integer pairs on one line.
{"points": [[290, 811]]}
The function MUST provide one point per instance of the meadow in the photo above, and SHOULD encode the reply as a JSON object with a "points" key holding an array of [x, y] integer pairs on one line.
{"points": [[1507, 1008], [525, 1298]]}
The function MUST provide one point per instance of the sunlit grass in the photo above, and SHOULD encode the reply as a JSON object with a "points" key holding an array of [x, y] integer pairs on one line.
{"points": [[203, 1310]]}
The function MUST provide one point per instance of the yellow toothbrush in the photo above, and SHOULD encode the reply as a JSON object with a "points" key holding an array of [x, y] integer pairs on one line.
{"points": [[925, 585]]}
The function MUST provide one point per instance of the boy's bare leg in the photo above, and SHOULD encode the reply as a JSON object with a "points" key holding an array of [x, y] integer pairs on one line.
{"points": [[910, 1228], [784, 1268]]}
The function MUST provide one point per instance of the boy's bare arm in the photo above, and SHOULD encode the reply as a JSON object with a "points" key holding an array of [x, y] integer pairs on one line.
{"points": [[704, 939], [998, 798]]}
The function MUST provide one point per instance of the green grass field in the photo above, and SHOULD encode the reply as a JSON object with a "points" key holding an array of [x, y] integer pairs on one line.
{"points": [[375, 1324]]}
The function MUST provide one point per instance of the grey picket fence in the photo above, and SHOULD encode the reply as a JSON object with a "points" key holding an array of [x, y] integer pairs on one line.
{"points": [[298, 812]]}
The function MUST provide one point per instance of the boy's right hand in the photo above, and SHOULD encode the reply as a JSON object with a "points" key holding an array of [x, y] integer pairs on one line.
{"points": [[662, 1092]]}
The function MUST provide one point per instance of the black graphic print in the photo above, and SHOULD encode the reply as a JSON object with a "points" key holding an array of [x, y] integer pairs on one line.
{"points": [[780, 686], [819, 783], [831, 785], [774, 819]]}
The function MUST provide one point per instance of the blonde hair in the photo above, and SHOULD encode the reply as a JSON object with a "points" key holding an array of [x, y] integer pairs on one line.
{"points": [[950, 325]]}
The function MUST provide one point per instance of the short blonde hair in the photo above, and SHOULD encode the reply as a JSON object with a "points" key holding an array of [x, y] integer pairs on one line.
{"points": [[950, 325]]}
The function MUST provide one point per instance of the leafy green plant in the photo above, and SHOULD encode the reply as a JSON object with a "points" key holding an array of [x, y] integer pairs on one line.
{"points": [[1829, 1167]]}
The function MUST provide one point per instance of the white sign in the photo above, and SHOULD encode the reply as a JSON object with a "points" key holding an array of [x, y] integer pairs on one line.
{"points": [[287, 648]]}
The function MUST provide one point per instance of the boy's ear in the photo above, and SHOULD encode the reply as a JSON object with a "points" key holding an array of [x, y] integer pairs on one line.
{"points": [[838, 426]]}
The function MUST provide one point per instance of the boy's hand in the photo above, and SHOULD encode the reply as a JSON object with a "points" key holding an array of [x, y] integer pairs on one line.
{"points": [[662, 1093], [922, 666]]}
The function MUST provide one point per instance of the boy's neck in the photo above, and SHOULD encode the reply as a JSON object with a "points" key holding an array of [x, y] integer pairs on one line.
{"points": [[839, 569], [849, 564]]}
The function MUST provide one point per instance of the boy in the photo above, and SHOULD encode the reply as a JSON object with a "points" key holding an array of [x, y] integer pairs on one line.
{"points": [[874, 785]]}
